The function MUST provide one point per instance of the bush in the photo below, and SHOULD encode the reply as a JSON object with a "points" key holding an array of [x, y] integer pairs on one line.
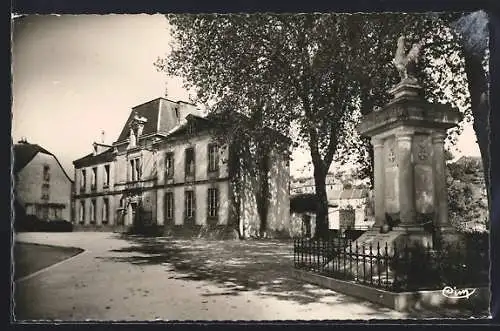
{"points": [[421, 268], [353, 234], [31, 223], [27, 223], [152, 230], [55, 226]]}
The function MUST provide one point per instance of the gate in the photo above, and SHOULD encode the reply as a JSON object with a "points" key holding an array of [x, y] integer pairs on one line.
{"points": [[347, 219]]}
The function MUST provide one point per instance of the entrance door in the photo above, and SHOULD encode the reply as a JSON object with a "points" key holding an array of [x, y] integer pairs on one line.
{"points": [[133, 213]]}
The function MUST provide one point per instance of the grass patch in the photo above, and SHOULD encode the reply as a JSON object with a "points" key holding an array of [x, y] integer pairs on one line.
{"points": [[29, 258]]}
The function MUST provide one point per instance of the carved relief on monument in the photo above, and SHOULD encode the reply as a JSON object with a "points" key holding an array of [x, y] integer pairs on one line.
{"points": [[422, 149], [424, 189], [391, 175]]}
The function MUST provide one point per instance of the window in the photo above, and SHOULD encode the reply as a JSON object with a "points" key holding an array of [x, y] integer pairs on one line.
{"points": [[213, 201], [189, 204], [169, 205], [52, 213], [93, 179], [190, 128], [45, 191], [138, 168], [169, 165], [189, 162], [46, 173], [45, 212], [58, 213], [82, 212], [83, 180], [135, 169], [213, 157], [105, 209], [106, 175], [92, 212], [30, 210]]}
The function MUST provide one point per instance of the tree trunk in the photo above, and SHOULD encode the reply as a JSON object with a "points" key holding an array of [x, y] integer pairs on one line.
{"points": [[263, 193], [478, 90], [321, 230], [473, 29], [234, 171]]}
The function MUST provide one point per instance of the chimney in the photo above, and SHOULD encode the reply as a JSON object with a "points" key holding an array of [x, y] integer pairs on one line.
{"points": [[102, 137]]}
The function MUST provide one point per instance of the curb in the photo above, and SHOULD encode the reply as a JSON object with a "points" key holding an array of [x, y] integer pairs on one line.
{"points": [[50, 266]]}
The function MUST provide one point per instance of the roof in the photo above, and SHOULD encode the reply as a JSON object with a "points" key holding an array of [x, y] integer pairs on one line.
{"points": [[476, 159], [91, 159], [348, 194], [24, 152], [160, 115], [212, 120]]}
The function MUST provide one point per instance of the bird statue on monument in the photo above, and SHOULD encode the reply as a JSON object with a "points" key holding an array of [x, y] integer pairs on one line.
{"points": [[406, 63]]}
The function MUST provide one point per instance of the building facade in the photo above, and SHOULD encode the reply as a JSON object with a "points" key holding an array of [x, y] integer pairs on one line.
{"points": [[42, 187], [350, 209], [306, 185], [168, 168]]}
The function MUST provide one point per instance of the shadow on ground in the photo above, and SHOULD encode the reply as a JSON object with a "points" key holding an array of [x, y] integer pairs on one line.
{"points": [[234, 266], [263, 266]]}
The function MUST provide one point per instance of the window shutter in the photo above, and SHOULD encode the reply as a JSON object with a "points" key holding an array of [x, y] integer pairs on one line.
{"points": [[217, 202], [194, 206], [209, 168], [139, 169], [208, 203], [172, 200], [185, 207]]}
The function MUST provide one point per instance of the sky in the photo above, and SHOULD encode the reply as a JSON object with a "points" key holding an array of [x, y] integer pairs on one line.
{"points": [[77, 75]]}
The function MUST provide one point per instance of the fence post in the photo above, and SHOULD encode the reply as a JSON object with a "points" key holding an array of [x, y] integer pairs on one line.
{"points": [[371, 265], [309, 252], [344, 248], [363, 255], [357, 261], [318, 265], [350, 258], [301, 251], [387, 261], [378, 263]]}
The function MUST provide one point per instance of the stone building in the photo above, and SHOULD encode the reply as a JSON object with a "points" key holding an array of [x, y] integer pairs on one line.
{"points": [[347, 203], [305, 185], [170, 169], [42, 187], [350, 209]]}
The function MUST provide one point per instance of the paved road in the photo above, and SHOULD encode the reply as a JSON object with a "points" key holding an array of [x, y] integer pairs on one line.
{"points": [[102, 284]]}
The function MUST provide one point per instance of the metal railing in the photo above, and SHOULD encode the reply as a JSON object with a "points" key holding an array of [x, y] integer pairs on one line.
{"points": [[406, 269]]}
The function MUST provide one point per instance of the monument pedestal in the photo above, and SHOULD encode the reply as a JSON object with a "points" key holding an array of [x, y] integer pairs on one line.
{"points": [[409, 170], [397, 238]]}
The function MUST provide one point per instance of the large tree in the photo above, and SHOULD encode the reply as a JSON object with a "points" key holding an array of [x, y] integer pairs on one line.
{"points": [[312, 70]]}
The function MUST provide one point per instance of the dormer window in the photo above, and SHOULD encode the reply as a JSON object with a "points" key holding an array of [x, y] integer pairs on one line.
{"points": [[136, 129], [135, 169], [189, 165], [190, 128], [46, 173]]}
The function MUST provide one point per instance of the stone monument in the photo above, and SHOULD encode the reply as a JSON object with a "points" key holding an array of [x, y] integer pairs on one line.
{"points": [[408, 137]]}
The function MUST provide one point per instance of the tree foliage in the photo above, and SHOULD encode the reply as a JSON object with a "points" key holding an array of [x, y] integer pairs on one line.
{"points": [[467, 199], [314, 71]]}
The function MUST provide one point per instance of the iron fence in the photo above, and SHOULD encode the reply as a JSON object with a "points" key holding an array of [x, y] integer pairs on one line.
{"points": [[407, 269]]}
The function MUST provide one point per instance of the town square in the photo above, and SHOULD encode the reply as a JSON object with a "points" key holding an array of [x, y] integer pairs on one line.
{"points": [[256, 167]]}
